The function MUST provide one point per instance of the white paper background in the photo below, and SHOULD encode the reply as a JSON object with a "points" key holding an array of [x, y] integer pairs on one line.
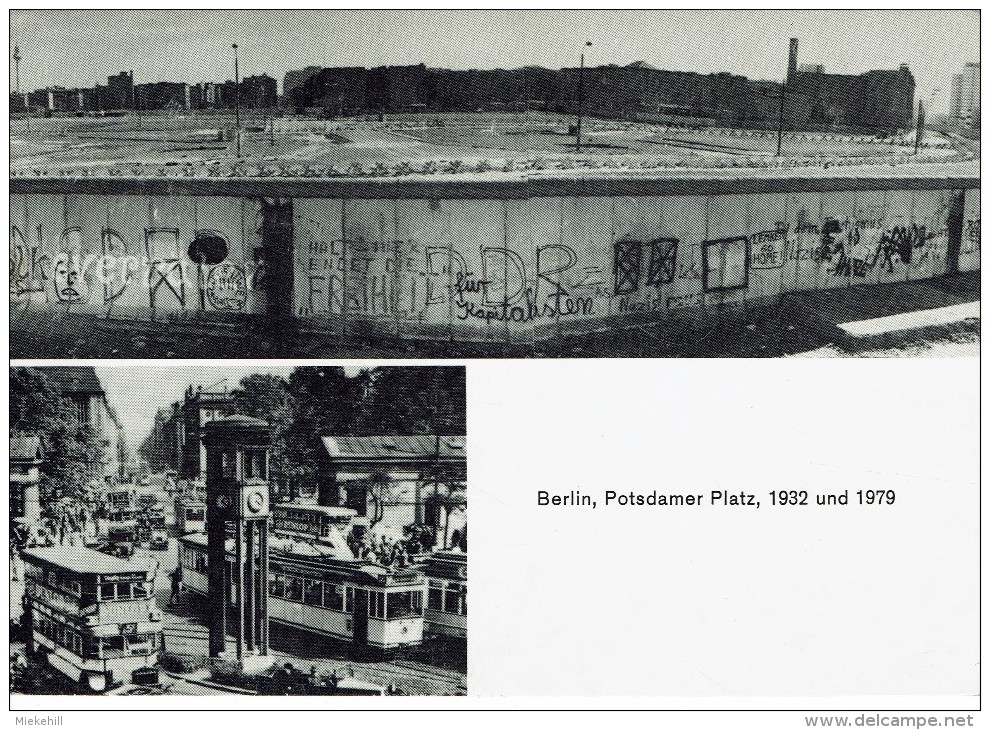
{"points": [[717, 601], [810, 609]]}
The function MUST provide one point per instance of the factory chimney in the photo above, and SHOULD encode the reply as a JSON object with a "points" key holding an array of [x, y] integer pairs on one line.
{"points": [[792, 60]]}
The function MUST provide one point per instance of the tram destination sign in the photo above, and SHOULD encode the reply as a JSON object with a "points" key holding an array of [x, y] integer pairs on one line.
{"points": [[123, 577]]}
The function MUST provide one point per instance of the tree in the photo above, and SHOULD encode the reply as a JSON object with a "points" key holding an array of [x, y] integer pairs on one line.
{"points": [[266, 397], [37, 407], [379, 493], [413, 400], [325, 401], [447, 490]]}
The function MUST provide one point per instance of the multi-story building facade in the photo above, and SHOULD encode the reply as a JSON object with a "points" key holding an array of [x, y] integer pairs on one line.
{"points": [[162, 95], [259, 92], [964, 97], [184, 432], [81, 386], [26, 458], [120, 91], [295, 79]]}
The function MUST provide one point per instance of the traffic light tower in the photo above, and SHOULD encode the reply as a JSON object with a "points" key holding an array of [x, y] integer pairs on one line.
{"points": [[237, 502]]}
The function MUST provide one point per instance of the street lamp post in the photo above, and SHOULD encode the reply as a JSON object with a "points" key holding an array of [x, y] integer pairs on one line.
{"points": [[17, 70], [921, 127], [237, 100], [17, 83], [580, 99]]}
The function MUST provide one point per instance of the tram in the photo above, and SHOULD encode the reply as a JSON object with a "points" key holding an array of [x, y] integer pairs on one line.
{"points": [[93, 616], [323, 590], [446, 606]]}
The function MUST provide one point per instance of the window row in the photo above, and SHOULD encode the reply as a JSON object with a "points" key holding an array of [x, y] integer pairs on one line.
{"points": [[312, 592], [92, 647], [341, 598], [395, 605], [56, 580], [448, 597], [87, 592], [194, 560], [124, 591]]}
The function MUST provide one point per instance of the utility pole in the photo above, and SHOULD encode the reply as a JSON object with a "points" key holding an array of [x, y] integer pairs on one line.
{"points": [[791, 69], [135, 103], [580, 99], [921, 126], [780, 120], [237, 100]]}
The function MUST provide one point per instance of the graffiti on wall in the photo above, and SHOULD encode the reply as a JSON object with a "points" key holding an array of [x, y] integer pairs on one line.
{"points": [[69, 273], [449, 275], [423, 281], [407, 278], [767, 249], [971, 236]]}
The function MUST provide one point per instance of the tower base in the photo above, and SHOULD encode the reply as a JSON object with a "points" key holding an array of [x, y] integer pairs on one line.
{"points": [[249, 663]]}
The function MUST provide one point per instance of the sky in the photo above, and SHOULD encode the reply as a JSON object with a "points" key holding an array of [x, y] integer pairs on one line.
{"points": [[80, 47], [136, 392]]}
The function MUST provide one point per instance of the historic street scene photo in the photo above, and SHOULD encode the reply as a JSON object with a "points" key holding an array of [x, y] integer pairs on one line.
{"points": [[494, 183], [238, 530]]}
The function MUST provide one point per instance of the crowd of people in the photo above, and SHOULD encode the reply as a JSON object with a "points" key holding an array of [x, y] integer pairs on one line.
{"points": [[394, 552]]}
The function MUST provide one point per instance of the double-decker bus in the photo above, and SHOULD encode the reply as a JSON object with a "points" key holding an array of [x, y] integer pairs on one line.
{"points": [[190, 515], [374, 608], [120, 504], [93, 616]]}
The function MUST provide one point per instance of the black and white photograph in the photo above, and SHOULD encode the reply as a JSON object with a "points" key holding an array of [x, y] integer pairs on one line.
{"points": [[494, 183], [704, 284], [335, 500]]}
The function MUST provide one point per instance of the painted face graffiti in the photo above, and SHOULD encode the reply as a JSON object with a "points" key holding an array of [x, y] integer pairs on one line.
{"points": [[69, 274]]}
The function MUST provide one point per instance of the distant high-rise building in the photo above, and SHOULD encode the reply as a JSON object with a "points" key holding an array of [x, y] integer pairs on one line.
{"points": [[120, 91], [259, 92], [295, 79], [163, 95], [964, 97], [811, 68]]}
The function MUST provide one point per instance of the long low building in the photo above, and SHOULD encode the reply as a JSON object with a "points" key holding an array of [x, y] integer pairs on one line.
{"points": [[498, 258]]}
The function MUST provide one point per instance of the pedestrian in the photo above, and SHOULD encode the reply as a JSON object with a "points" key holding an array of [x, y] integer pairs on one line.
{"points": [[176, 584]]}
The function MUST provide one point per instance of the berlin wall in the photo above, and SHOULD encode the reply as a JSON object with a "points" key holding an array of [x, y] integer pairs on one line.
{"points": [[134, 256], [499, 263]]}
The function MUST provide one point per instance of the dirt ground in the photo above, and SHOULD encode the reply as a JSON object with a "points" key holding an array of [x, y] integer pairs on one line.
{"points": [[800, 324]]}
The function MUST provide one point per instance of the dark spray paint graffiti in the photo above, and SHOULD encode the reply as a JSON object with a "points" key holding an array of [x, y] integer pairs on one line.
{"points": [[767, 248], [972, 236], [162, 249], [226, 287], [504, 293], [898, 244], [71, 273], [29, 267], [628, 262], [378, 278]]}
